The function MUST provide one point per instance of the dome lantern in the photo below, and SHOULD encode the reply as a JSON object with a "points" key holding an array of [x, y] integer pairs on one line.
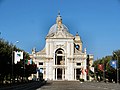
{"points": [[59, 20]]}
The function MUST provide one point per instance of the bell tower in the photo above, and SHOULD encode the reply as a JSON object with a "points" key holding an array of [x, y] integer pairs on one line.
{"points": [[78, 42]]}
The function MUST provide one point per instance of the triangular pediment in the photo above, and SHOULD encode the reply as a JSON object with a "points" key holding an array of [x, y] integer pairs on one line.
{"points": [[60, 34], [63, 34]]}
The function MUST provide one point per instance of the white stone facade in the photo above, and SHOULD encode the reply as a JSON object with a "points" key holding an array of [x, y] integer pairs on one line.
{"points": [[62, 57]]}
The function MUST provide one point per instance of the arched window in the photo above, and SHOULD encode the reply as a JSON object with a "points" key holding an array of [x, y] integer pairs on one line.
{"points": [[77, 47], [59, 57], [59, 52]]}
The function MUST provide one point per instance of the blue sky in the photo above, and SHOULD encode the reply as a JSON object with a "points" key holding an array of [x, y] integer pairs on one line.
{"points": [[29, 21]]}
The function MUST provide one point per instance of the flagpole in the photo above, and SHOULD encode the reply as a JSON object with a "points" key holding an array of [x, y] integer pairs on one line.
{"points": [[24, 69], [117, 68], [13, 60]]}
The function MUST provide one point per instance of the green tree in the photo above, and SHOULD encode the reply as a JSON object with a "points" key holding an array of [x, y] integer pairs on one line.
{"points": [[110, 72], [6, 50]]}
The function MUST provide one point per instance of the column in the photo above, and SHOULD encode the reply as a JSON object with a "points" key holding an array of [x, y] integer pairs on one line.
{"points": [[37, 74], [53, 73], [75, 73], [47, 70], [66, 73], [62, 73], [56, 73]]}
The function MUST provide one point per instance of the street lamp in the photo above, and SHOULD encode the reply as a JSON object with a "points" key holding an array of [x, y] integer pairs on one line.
{"points": [[117, 68], [104, 78], [0, 33], [13, 60]]}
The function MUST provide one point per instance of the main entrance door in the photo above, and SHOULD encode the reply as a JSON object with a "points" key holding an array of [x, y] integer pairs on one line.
{"points": [[78, 73], [59, 63], [59, 73]]}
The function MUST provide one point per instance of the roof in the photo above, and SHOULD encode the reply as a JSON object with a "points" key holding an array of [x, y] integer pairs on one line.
{"points": [[54, 28], [58, 26]]}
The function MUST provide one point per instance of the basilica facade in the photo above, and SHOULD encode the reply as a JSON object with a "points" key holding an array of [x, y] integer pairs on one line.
{"points": [[63, 57]]}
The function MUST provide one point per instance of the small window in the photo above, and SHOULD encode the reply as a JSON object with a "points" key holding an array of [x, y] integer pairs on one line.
{"points": [[40, 63], [41, 70], [77, 47], [78, 64]]}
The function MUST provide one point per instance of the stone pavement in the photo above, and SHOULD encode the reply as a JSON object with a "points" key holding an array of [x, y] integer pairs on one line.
{"points": [[76, 85], [64, 85], [26, 86]]}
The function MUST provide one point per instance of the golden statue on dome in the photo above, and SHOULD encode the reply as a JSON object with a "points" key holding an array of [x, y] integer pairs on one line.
{"points": [[59, 20]]}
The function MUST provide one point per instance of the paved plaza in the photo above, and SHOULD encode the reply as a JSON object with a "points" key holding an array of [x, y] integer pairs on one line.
{"points": [[64, 85], [76, 85]]}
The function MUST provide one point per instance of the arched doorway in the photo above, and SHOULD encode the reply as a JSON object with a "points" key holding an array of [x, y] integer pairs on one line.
{"points": [[59, 63]]}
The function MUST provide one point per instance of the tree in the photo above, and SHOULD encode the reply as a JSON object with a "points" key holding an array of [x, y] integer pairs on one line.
{"points": [[6, 50], [110, 72], [103, 61]]}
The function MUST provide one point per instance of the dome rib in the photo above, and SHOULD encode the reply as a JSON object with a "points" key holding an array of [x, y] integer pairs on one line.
{"points": [[54, 28], [59, 25]]}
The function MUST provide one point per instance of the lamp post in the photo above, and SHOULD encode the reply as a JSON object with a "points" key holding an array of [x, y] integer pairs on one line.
{"points": [[104, 79], [117, 68], [0, 33], [13, 60]]}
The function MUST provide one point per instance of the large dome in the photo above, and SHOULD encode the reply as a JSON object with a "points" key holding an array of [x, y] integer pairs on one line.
{"points": [[54, 28], [58, 25]]}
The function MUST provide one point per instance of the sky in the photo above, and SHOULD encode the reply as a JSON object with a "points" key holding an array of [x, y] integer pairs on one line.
{"points": [[29, 21]]}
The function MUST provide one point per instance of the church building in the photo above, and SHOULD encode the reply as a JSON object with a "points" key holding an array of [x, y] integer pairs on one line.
{"points": [[63, 57]]}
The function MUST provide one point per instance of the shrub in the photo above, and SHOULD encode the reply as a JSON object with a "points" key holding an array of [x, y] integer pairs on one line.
{"points": [[82, 80]]}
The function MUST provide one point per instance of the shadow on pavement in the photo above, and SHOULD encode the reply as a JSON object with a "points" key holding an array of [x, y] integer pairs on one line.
{"points": [[26, 86]]}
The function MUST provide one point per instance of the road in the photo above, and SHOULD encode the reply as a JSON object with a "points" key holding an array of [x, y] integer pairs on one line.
{"points": [[76, 85]]}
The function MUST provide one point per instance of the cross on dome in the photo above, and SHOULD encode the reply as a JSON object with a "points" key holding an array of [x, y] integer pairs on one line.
{"points": [[58, 12], [59, 18]]}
